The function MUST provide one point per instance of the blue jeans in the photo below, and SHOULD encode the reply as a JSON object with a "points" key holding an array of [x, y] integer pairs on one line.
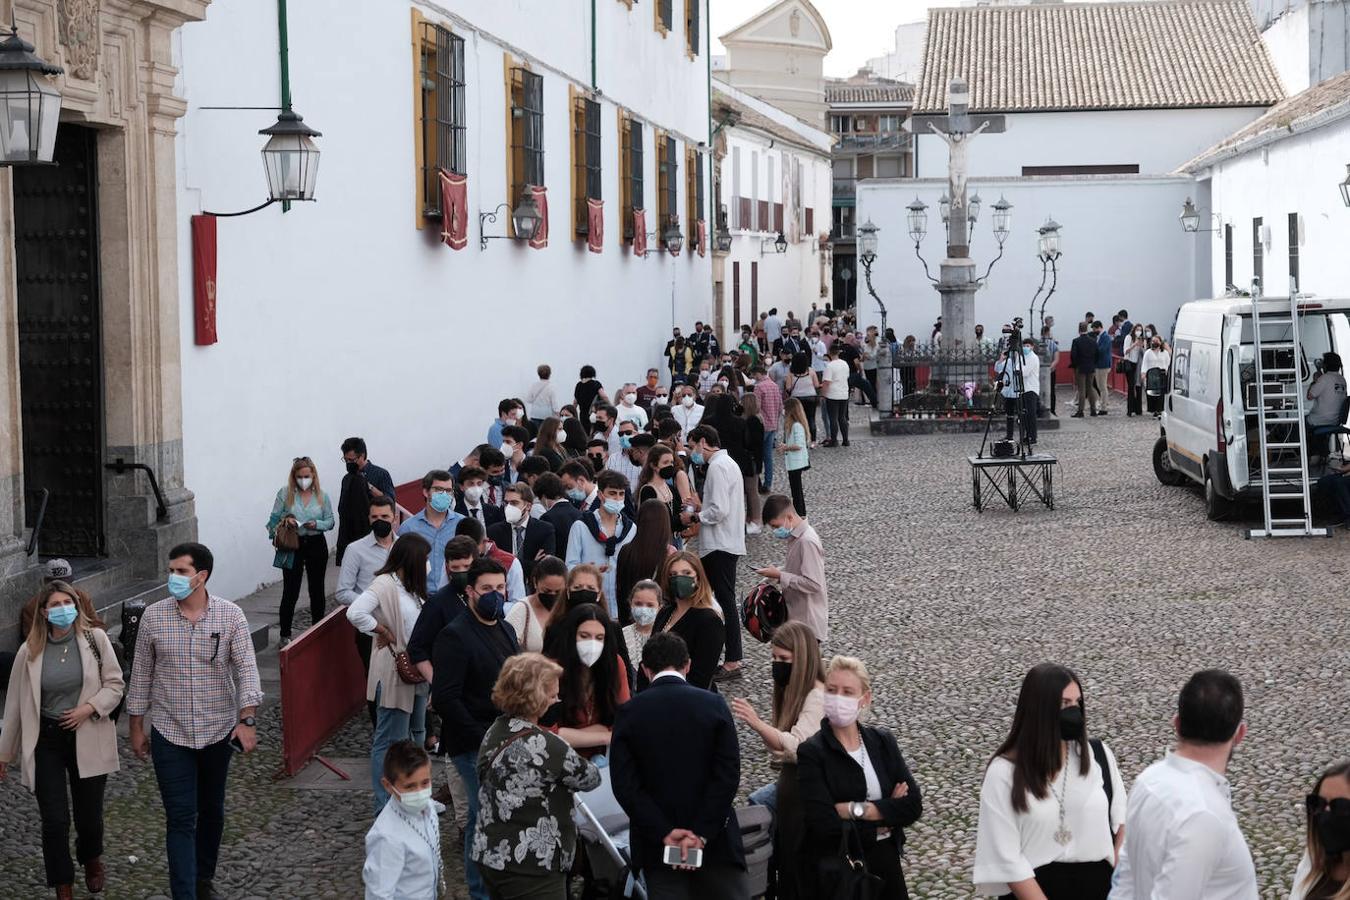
{"points": [[766, 797], [392, 726], [192, 787], [770, 441], [466, 764]]}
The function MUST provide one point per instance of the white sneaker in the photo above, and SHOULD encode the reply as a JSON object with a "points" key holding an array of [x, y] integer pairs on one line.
{"points": [[753, 528]]}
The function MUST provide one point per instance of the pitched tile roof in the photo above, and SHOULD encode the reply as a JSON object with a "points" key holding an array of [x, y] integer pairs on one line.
{"points": [[1155, 54], [877, 91], [1318, 105]]}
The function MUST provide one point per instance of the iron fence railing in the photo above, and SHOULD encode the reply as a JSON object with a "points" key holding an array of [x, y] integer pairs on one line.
{"points": [[932, 382]]}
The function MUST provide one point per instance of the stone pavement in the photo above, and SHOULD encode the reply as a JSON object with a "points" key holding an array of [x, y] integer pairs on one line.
{"points": [[1125, 582]]}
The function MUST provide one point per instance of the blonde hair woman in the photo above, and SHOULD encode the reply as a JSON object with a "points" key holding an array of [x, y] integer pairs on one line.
{"points": [[855, 786], [798, 707], [796, 451], [301, 504], [692, 613], [525, 841], [65, 684]]}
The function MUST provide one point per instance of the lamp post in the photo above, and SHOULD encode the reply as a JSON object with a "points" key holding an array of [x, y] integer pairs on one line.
{"points": [[1048, 252], [1345, 186], [867, 255], [673, 238], [30, 106], [1190, 218]]}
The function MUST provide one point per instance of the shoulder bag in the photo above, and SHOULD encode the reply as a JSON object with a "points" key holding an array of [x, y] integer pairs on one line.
{"points": [[98, 658], [287, 535], [845, 876], [407, 671]]}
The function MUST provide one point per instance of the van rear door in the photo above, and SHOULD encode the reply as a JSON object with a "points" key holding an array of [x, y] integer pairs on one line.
{"points": [[1233, 419]]}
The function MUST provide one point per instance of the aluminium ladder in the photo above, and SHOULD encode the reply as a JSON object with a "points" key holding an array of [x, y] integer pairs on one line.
{"points": [[1279, 403]]}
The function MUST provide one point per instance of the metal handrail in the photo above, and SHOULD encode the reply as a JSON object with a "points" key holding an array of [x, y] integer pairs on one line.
{"points": [[37, 523], [119, 466]]}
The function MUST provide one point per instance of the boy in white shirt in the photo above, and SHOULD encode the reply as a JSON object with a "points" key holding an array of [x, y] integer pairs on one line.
{"points": [[403, 847]]}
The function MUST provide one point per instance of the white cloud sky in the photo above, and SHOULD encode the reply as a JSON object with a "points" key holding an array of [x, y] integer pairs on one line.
{"points": [[860, 29]]}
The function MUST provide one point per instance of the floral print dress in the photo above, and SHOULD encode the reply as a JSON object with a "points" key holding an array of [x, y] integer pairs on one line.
{"points": [[526, 778]]}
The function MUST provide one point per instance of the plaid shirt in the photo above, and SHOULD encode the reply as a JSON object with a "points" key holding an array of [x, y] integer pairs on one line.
{"points": [[193, 678], [770, 398]]}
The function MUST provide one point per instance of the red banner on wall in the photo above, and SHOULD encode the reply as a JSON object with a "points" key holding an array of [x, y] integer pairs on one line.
{"points": [[540, 194], [454, 210], [639, 232], [322, 686], [702, 237], [595, 225], [204, 279]]}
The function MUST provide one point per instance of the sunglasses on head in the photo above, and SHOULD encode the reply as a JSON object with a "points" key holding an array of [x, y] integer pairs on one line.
{"points": [[1316, 803]]}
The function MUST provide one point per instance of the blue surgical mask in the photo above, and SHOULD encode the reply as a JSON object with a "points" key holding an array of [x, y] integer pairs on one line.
{"points": [[782, 532], [489, 605], [576, 494], [696, 458], [613, 507], [180, 586], [62, 616], [440, 501], [625, 441]]}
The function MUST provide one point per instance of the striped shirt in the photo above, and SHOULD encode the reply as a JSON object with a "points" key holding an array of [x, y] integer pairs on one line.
{"points": [[193, 678], [770, 397]]}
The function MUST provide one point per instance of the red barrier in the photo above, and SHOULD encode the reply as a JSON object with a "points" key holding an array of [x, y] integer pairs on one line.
{"points": [[409, 496], [322, 686]]}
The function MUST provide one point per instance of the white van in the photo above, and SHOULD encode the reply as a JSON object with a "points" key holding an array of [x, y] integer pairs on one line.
{"points": [[1209, 418]]}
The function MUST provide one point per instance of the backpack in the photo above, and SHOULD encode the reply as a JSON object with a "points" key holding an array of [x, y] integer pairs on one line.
{"points": [[763, 610]]}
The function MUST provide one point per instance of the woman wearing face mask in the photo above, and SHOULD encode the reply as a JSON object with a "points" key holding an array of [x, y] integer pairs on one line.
{"points": [[1156, 363], [1047, 828], [798, 707], [388, 610], [693, 614], [641, 557], [594, 681], [63, 689], [577, 438], [855, 786], [1324, 872], [304, 505], [1133, 351], [525, 842], [531, 617], [803, 385], [644, 603], [663, 479], [548, 443]]}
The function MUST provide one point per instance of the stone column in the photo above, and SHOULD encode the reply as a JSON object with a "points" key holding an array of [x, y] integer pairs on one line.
{"points": [[957, 284]]}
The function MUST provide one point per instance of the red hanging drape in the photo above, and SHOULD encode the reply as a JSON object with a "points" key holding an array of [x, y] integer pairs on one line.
{"points": [[702, 238], [454, 210], [204, 280], [595, 225], [639, 232], [540, 194]]}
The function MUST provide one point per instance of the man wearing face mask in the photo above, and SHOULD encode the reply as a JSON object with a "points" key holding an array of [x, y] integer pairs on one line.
{"points": [[604, 421], [364, 558], [721, 538], [629, 409], [558, 510], [195, 709], [597, 536], [466, 661], [802, 577], [436, 522], [622, 462], [1182, 841], [508, 413], [525, 538], [688, 413], [647, 391], [578, 478], [473, 498], [363, 482]]}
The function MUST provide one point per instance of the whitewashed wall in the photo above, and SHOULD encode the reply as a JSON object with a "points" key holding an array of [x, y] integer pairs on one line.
{"points": [[1122, 248], [341, 318], [1158, 141], [1298, 174]]}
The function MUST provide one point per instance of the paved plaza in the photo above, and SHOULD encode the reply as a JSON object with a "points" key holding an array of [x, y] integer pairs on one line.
{"points": [[1125, 582]]}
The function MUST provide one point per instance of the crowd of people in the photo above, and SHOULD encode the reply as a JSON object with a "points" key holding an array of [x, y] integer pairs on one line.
{"points": [[560, 618]]}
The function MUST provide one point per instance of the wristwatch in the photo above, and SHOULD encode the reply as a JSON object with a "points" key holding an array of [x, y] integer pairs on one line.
{"points": [[857, 809], [249, 721]]}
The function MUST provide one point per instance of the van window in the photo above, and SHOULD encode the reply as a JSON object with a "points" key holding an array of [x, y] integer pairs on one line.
{"points": [[1318, 334]]}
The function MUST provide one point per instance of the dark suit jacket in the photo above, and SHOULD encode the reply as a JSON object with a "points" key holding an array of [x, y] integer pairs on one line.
{"points": [[675, 763], [441, 608], [1083, 354], [466, 662], [491, 514], [827, 775], [539, 535], [562, 516]]}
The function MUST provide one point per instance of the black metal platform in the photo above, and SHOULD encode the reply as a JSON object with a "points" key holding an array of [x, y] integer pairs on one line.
{"points": [[1016, 479]]}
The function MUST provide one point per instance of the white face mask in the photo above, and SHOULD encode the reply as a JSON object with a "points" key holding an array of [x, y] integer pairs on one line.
{"points": [[589, 651], [509, 449], [473, 494], [840, 710], [562, 435], [661, 400], [415, 801], [595, 420], [513, 514], [629, 399], [688, 401], [304, 483]]}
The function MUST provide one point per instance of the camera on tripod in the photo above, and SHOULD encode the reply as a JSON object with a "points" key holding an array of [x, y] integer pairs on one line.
{"points": [[1015, 327]]}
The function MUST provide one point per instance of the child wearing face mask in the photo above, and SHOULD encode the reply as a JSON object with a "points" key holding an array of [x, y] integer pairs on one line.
{"points": [[643, 604], [403, 847]]}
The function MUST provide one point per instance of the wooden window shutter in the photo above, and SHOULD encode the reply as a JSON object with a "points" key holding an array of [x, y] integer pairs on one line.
{"points": [[512, 168], [691, 174]]}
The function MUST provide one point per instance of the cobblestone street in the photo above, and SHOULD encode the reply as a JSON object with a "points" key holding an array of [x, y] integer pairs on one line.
{"points": [[1126, 582]]}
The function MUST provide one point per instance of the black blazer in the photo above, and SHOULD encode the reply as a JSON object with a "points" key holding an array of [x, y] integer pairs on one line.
{"points": [[539, 535], [441, 608], [491, 514], [675, 763], [466, 661], [562, 516], [704, 634], [827, 775], [1083, 354]]}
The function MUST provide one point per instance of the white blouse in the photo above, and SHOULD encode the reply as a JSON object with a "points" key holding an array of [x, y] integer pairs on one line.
{"points": [[403, 855], [362, 612], [1009, 845]]}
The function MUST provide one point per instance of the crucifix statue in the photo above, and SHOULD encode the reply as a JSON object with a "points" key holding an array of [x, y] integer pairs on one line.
{"points": [[957, 130]]}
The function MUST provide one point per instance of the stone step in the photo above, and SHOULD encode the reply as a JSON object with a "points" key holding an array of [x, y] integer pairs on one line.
{"points": [[98, 576]]}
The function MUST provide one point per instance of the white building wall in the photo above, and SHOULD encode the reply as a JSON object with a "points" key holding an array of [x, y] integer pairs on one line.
{"points": [[1287, 41], [1158, 141], [1298, 174], [341, 318], [1121, 242]]}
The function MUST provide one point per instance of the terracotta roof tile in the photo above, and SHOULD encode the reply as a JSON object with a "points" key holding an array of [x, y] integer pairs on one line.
{"points": [[877, 91]]}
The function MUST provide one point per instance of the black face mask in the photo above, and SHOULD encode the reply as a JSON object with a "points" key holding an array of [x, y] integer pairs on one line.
{"points": [[459, 581], [1071, 724], [548, 600], [782, 672], [666, 472], [353, 468], [1332, 823], [583, 595], [597, 461], [381, 529]]}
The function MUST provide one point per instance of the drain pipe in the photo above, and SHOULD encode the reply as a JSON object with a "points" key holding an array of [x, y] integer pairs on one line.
{"points": [[284, 50], [594, 79]]}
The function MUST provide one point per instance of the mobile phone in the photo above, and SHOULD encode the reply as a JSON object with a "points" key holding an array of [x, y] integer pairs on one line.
{"points": [[236, 745], [693, 857]]}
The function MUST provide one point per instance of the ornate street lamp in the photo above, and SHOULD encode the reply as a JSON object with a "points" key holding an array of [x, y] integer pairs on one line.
{"points": [[1048, 252], [1002, 220], [722, 242], [1048, 242], [779, 244], [918, 220], [672, 238], [525, 218], [290, 158], [973, 209], [1345, 186], [945, 207], [867, 242], [30, 106], [1190, 217]]}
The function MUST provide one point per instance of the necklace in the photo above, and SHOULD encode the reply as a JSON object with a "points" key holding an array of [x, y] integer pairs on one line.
{"points": [[424, 833], [1063, 835]]}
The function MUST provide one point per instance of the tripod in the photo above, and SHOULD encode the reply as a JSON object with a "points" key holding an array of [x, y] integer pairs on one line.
{"points": [[1012, 372]]}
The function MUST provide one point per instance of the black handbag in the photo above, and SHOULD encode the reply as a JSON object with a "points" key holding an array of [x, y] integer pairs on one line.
{"points": [[845, 876]]}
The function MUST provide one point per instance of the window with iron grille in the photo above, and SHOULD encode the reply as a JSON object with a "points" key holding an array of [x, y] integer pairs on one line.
{"points": [[586, 153], [443, 144], [527, 130], [1258, 258], [691, 32], [1293, 252], [668, 166], [630, 162], [665, 15], [1227, 256]]}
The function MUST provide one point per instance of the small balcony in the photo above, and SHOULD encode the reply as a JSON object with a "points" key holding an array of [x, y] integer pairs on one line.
{"points": [[845, 187], [873, 143]]}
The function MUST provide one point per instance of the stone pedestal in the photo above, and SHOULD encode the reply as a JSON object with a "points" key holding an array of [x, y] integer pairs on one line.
{"points": [[885, 379], [957, 284]]}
